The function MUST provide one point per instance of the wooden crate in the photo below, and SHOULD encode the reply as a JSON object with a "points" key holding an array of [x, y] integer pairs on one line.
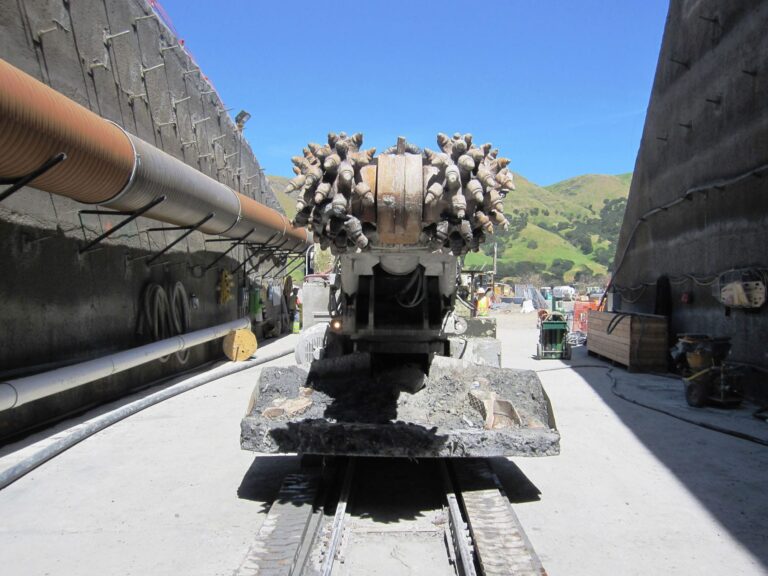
{"points": [[637, 341]]}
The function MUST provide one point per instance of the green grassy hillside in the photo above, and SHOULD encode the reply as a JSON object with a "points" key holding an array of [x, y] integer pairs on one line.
{"points": [[288, 202], [564, 232], [590, 190]]}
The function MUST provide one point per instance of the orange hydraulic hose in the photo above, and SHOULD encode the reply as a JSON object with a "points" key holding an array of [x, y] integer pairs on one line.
{"points": [[36, 123]]}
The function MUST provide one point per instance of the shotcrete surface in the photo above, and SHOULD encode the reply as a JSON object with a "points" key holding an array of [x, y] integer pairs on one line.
{"points": [[169, 490]]}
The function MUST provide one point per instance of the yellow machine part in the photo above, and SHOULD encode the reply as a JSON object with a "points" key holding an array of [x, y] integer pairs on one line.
{"points": [[225, 287]]}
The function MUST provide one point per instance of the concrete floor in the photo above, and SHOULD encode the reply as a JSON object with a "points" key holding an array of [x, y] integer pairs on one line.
{"points": [[169, 491], [635, 491], [165, 491]]}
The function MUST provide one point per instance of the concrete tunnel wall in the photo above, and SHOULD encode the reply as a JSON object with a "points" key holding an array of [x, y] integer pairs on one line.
{"points": [[118, 59], [706, 132]]}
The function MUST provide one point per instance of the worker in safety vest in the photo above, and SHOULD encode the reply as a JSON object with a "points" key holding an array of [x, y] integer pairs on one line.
{"points": [[294, 310], [482, 303]]}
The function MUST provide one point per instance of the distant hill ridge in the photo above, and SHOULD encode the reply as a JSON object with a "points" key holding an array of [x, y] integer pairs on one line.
{"points": [[564, 232]]}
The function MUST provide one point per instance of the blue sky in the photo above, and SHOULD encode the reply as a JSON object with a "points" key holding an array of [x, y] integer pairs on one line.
{"points": [[560, 86]]}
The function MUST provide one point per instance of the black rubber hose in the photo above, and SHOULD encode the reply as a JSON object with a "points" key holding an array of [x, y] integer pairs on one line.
{"points": [[713, 427], [615, 392], [615, 322]]}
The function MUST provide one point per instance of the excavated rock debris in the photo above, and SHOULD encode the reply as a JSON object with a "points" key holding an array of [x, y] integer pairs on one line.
{"points": [[354, 413]]}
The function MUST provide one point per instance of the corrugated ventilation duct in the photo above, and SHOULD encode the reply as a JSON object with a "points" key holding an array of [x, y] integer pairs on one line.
{"points": [[107, 166]]}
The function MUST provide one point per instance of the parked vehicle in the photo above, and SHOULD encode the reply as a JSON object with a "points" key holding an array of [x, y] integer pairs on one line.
{"points": [[564, 292]]}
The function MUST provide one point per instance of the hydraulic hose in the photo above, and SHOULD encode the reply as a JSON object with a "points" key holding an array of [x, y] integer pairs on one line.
{"points": [[610, 373], [166, 316]]}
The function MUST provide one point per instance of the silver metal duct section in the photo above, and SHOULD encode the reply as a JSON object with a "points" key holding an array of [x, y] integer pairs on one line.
{"points": [[191, 195]]}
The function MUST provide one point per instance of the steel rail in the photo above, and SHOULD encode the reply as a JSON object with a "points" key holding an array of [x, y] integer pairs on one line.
{"points": [[499, 542], [483, 536], [339, 517], [465, 565]]}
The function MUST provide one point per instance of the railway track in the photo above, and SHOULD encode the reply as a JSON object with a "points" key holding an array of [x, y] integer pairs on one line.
{"points": [[384, 516]]}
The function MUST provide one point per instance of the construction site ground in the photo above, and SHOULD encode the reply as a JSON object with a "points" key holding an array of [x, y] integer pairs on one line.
{"points": [[634, 490]]}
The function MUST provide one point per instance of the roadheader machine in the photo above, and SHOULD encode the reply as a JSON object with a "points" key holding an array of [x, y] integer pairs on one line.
{"points": [[393, 370]]}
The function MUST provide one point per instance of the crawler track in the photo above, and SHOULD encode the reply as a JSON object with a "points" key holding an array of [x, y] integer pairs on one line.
{"points": [[384, 516]]}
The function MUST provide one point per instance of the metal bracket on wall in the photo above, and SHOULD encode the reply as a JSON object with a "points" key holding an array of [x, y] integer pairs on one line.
{"points": [[235, 244], [187, 231], [255, 248], [284, 268], [281, 260], [245, 261], [270, 251], [299, 261], [132, 215], [18, 183]]}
